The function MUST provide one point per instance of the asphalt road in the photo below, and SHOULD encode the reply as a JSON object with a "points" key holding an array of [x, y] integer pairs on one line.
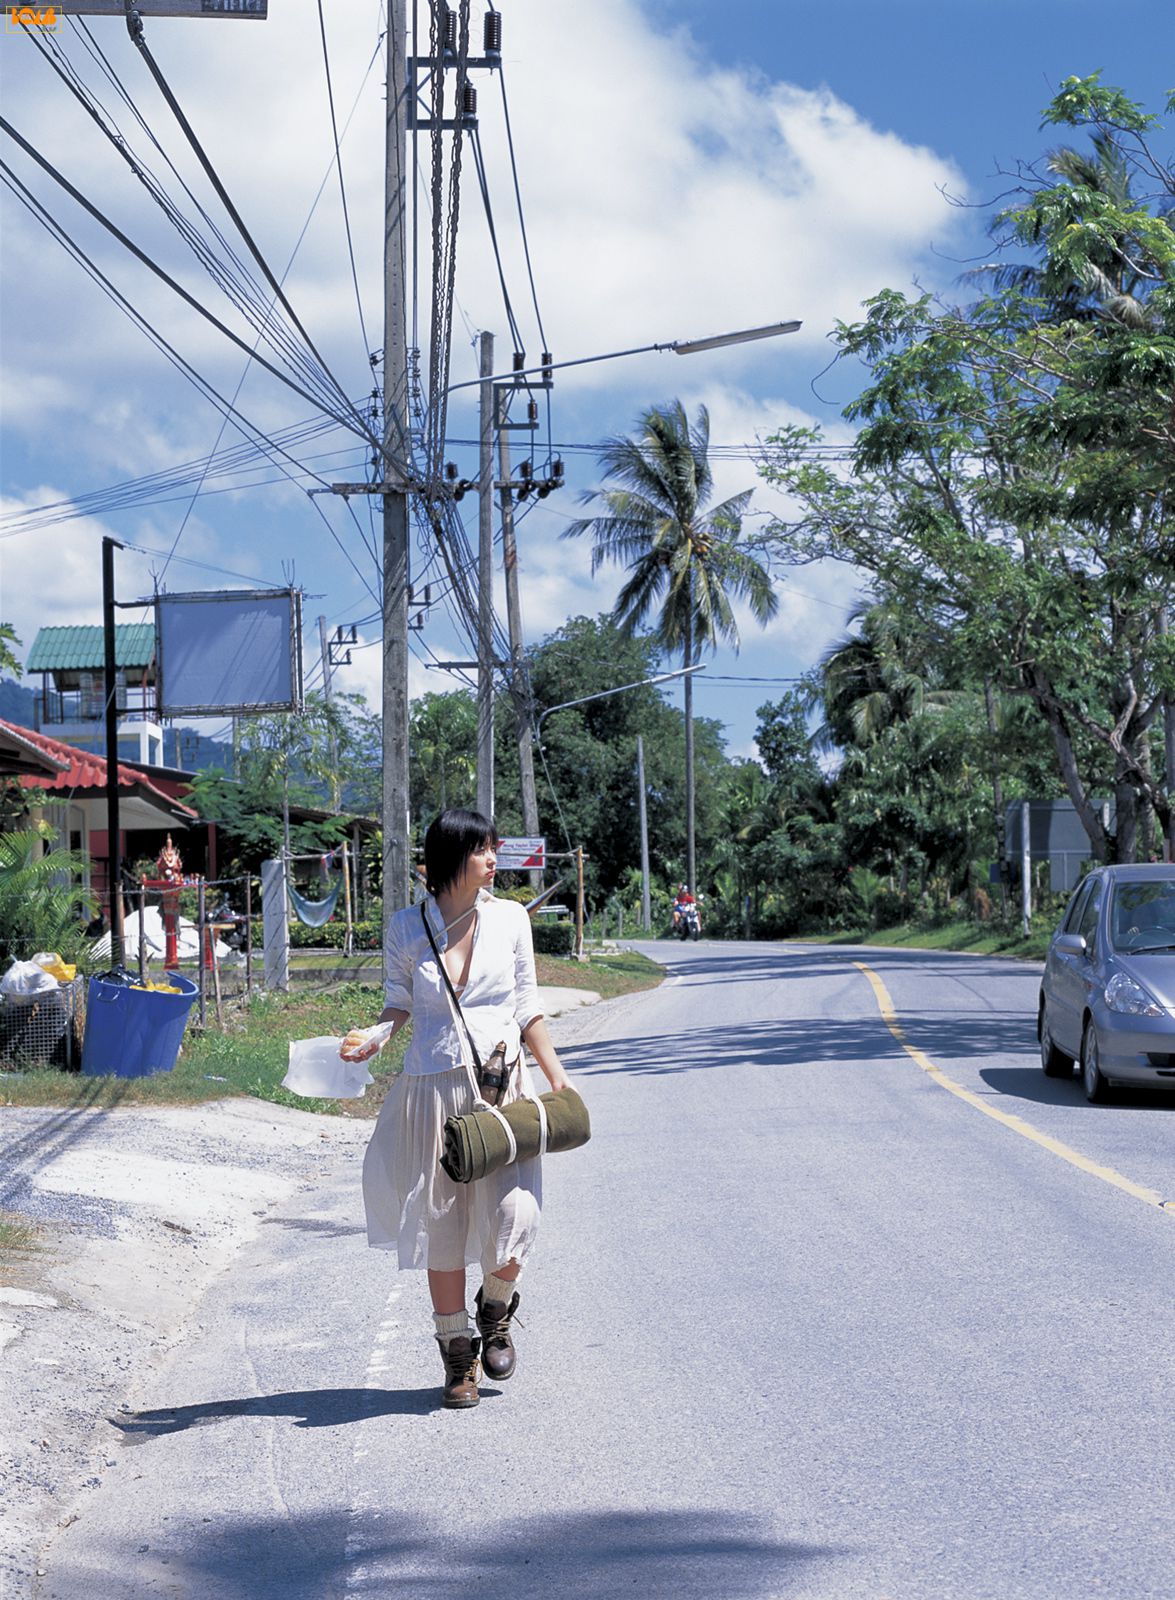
{"points": [[802, 1322]]}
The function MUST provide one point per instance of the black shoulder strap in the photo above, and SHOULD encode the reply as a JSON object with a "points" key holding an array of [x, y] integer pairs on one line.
{"points": [[449, 986]]}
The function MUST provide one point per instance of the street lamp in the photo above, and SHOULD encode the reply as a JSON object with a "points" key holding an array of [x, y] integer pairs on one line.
{"points": [[602, 694], [680, 347]]}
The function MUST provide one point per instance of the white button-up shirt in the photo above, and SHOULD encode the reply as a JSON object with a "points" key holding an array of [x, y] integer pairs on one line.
{"points": [[500, 996]]}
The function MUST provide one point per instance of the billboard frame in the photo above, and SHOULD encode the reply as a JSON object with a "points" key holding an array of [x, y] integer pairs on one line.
{"points": [[259, 708]]}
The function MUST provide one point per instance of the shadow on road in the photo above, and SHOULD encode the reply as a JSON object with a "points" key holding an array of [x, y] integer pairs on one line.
{"points": [[672, 1555], [802, 1041], [1023, 1083], [746, 963], [333, 1230], [308, 1408]]}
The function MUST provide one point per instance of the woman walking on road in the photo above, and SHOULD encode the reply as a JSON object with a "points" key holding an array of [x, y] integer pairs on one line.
{"points": [[413, 1207]]}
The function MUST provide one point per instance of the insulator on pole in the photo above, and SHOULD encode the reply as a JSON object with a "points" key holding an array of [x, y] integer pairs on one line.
{"points": [[449, 31], [451, 471], [493, 33], [532, 412], [548, 375], [520, 360], [469, 99]]}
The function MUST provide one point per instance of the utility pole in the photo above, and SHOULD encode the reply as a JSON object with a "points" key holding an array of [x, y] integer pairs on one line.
{"points": [[110, 689], [646, 908], [485, 584], [1168, 751], [690, 851], [396, 452], [523, 721], [327, 686]]}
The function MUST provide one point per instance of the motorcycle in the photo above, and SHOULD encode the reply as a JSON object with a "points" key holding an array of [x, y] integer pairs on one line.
{"points": [[688, 924]]}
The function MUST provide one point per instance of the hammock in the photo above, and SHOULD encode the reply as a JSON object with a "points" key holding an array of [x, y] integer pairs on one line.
{"points": [[315, 913]]}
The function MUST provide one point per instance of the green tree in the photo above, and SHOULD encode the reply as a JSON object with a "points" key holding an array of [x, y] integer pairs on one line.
{"points": [[442, 747], [685, 558], [8, 660], [586, 768], [42, 905]]}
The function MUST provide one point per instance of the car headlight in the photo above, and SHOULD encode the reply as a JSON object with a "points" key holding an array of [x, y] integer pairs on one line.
{"points": [[1130, 998]]}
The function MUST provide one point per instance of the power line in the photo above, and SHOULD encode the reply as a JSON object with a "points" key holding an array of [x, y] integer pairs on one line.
{"points": [[330, 95]]}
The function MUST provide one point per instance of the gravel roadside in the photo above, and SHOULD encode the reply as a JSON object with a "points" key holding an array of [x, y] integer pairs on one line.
{"points": [[138, 1209]]}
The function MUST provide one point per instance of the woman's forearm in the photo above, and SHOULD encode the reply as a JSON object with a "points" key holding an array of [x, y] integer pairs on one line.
{"points": [[538, 1042]]}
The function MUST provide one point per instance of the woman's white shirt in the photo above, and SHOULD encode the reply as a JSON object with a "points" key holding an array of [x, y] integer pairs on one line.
{"points": [[500, 996]]}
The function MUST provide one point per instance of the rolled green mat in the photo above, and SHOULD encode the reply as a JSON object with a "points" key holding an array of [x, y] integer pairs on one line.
{"points": [[476, 1143]]}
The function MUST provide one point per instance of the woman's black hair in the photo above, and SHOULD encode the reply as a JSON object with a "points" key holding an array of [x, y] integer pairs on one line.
{"points": [[450, 841]]}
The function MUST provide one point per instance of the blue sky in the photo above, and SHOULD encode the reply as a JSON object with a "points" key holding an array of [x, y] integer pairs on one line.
{"points": [[687, 167]]}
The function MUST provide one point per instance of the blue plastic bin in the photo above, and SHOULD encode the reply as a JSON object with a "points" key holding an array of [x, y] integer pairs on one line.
{"points": [[132, 1033]]}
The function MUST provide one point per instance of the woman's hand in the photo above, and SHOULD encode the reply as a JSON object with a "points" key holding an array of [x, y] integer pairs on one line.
{"points": [[357, 1045], [538, 1042], [360, 1044]]}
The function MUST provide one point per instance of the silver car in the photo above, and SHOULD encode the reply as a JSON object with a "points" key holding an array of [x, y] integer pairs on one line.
{"points": [[1107, 998]]}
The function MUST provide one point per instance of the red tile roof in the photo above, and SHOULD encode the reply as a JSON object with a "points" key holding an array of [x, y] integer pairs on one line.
{"points": [[85, 771]]}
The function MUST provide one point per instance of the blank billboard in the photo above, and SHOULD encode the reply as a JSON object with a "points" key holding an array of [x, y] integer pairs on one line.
{"points": [[229, 652]]}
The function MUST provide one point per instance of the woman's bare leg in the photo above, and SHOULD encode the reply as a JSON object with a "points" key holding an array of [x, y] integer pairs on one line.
{"points": [[448, 1290]]}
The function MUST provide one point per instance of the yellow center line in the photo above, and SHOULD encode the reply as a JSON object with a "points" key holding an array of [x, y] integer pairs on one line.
{"points": [[1150, 1197]]}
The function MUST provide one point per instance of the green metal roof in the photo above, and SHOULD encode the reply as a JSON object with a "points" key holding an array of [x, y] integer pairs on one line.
{"points": [[74, 649]]}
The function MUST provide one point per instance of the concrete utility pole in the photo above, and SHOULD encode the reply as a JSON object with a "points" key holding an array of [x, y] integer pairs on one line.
{"points": [[646, 907], [523, 720], [485, 584], [396, 453]]}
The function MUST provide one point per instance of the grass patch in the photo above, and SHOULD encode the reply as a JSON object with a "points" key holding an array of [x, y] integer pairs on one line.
{"points": [[612, 974], [968, 937], [19, 1239]]}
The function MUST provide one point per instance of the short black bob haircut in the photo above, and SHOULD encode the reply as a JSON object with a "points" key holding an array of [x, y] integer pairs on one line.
{"points": [[450, 841]]}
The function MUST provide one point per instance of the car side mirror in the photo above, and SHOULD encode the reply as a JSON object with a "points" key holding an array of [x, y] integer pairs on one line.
{"points": [[1070, 944]]}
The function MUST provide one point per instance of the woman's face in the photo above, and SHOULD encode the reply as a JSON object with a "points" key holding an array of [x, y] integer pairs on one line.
{"points": [[480, 866]]}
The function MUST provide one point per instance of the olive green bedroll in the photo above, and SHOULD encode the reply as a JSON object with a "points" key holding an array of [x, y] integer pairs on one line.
{"points": [[477, 1143]]}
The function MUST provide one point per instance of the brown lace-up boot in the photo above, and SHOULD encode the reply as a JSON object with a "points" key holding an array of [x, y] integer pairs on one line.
{"points": [[461, 1364], [498, 1356]]}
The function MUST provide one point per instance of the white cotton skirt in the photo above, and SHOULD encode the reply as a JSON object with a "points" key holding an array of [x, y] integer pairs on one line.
{"points": [[415, 1208]]}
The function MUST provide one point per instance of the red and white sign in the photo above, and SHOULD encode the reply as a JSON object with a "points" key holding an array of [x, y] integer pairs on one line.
{"points": [[519, 855]]}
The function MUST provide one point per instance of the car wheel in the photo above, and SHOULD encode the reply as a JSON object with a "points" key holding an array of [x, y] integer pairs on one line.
{"points": [[1054, 1062], [1093, 1080]]}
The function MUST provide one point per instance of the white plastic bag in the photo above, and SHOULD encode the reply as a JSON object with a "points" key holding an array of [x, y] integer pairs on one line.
{"points": [[316, 1069], [25, 979]]}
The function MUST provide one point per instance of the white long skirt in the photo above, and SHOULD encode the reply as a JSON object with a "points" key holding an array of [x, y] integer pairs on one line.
{"points": [[415, 1208]]}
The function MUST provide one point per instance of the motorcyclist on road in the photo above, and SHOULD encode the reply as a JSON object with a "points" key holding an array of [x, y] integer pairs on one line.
{"points": [[681, 906]]}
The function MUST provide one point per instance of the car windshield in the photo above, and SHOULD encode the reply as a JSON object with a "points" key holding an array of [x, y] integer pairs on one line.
{"points": [[1143, 916]]}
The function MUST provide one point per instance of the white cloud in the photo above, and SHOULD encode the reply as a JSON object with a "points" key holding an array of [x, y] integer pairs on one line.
{"points": [[666, 198]]}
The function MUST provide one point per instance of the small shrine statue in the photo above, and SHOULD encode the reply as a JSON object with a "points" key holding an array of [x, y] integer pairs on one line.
{"points": [[169, 867]]}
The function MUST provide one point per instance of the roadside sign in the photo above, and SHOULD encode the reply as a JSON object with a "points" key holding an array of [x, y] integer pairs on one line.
{"points": [[519, 855]]}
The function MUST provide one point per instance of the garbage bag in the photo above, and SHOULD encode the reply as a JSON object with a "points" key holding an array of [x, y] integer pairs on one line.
{"points": [[24, 980]]}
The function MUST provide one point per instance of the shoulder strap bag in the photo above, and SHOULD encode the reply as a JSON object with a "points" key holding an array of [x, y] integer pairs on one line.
{"points": [[493, 1077]]}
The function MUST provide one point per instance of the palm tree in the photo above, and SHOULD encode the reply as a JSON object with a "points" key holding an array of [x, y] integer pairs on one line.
{"points": [[682, 554], [878, 677], [1112, 275]]}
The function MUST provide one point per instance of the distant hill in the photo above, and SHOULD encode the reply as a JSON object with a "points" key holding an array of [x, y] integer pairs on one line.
{"points": [[16, 703], [182, 747]]}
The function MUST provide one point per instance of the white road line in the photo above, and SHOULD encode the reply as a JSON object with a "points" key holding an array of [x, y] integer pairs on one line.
{"points": [[366, 1505]]}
